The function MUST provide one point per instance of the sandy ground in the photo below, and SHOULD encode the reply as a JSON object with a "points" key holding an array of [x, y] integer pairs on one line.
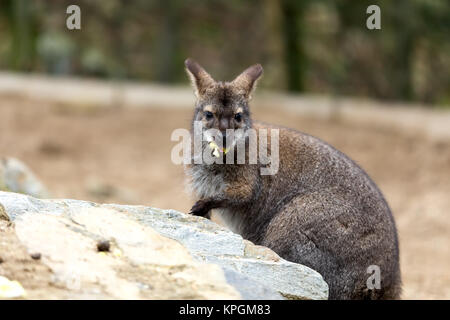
{"points": [[123, 156]]}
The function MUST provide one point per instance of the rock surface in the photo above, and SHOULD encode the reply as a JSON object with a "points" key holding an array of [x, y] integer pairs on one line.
{"points": [[153, 254], [15, 176]]}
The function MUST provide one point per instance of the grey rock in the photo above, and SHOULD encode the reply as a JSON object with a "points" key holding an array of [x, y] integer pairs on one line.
{"points": [[255, 272], [15, 176], [249, 288], [212, 243]]}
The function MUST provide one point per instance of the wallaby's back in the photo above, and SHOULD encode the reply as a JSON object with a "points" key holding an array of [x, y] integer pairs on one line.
{"points": [[323, 211]]}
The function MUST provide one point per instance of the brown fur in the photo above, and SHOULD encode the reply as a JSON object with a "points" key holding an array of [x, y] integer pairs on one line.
{"points": [[320, 209]]}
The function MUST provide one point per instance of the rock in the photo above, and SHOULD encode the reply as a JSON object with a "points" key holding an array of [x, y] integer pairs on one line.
{"points": [[103, 246], [151, 267], [154, 253], [15, 176], [249, 288], [212, 243], [259, 252], [35, 255]]}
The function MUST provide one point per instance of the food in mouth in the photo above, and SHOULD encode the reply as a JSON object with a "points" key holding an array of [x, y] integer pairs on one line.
{"points": [[217, 150]]}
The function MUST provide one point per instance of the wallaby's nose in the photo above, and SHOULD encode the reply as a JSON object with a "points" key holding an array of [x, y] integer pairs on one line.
{"points": [[224, 125]]}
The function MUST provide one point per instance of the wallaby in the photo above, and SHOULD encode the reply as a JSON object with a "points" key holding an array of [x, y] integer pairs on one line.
{"points": [[320, 209]]}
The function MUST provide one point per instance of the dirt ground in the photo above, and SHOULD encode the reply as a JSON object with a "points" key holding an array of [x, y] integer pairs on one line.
{"points": [[123, 156]]}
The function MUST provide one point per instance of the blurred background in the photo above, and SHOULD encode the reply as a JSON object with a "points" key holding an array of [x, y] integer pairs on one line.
{"points": [[305, 46], [91, 111]]}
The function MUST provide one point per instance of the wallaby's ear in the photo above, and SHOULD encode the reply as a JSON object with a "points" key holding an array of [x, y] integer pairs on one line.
{"points": [[200, 79], [245, 83]]}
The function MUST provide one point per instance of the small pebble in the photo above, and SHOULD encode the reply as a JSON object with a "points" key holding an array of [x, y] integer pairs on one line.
{"points": [[103, 245], [36, 256], [1, 260]]}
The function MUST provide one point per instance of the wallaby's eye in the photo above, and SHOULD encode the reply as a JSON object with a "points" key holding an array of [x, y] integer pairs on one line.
{"points": [[238, 117], [208, 115]]}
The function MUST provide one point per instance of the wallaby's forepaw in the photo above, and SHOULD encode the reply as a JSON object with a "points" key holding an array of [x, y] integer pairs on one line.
{"points": [[200, 208]]}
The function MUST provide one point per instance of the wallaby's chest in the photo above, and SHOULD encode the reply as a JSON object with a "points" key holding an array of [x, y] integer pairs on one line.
{"points": [[206, 183]]}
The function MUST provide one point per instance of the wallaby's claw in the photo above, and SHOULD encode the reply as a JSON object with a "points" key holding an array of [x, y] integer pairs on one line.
{"points": [[200, 208]]}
